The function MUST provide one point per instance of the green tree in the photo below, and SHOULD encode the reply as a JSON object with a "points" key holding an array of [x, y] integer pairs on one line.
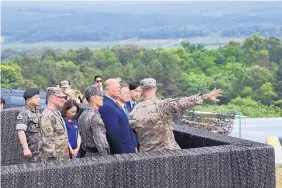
{"points": [[256, 76], [11, 77], [265, 94]]}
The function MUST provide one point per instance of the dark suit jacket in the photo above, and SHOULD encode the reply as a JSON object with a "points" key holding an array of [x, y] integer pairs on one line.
{"points": [[121, 138], [128, 105]]}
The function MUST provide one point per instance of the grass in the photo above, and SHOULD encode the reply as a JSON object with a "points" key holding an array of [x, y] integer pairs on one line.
{"points": [[210, 42]]}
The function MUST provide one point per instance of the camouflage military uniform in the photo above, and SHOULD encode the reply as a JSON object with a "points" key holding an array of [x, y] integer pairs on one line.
{"points": [[93, 132], [55, 133], [27, 120], [152, 119]]}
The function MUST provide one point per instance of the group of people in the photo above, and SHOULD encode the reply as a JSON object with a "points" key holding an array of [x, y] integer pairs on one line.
{"points": [[117, 118]]}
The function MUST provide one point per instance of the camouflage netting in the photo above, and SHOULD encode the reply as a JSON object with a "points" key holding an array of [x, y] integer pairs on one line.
{"points": [[11, 150], [206, 160], [221, 123]]}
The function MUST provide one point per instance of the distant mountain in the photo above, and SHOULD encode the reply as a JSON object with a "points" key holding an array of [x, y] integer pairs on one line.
{"points": [[108, 21]]}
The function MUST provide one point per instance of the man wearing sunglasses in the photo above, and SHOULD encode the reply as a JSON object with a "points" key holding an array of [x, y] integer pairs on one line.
{"points": [[53, 126], [65, 84], [98, 82]]}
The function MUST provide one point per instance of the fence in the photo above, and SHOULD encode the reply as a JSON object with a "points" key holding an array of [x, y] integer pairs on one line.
{"points": [[206, 160]]}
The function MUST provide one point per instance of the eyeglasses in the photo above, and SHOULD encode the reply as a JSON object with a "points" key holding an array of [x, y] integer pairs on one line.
{"points": [[66, 97], [99, 81]]}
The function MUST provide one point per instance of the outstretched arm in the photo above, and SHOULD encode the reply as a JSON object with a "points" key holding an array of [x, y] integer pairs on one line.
{"points": [[179, 105]]}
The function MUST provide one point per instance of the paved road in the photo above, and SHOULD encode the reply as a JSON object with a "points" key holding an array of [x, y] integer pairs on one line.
{"points": [[278, 156], [258, 129]]}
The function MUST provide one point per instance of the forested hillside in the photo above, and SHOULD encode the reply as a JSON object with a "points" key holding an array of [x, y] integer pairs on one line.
{"points": [[29, 22], [250, 73]]}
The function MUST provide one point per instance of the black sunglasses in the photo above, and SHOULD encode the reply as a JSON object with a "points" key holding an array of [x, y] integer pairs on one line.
{"points": [[99, 81], [65, 97]]}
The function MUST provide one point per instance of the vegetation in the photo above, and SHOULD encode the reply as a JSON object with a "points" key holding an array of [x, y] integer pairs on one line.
{"points": [[250, 73], [29, 22]]}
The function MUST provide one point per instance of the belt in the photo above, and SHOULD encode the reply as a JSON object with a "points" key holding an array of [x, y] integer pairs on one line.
{"points": [[90, 149]]}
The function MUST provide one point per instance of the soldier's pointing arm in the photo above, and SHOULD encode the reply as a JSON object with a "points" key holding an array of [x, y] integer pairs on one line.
{"points": [[179, 105]]}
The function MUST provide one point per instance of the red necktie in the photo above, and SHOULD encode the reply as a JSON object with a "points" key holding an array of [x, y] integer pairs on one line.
{"points": [[117, 103]]}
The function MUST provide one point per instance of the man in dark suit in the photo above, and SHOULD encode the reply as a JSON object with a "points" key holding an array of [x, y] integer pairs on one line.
{"points": [[135, 94], [98, 81], [121, 138]]}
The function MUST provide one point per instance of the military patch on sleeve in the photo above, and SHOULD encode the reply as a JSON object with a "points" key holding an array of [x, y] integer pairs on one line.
{"points": [[46, 127], [173, 103], [48, 130], [20, 116]]}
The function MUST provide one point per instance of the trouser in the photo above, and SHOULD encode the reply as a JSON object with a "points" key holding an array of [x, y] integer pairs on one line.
{"points": [[90, 151], [82, 152]]}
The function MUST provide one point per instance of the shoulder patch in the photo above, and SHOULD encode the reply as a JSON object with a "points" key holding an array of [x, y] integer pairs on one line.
{"points": [[20, 116]]}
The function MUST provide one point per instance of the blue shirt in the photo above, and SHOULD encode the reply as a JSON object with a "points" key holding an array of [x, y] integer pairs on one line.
{"points": [[72, 129]]}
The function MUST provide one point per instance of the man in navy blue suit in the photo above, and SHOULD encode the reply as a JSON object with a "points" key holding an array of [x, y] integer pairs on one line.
{"points": [[121, 138], [135, 94]]}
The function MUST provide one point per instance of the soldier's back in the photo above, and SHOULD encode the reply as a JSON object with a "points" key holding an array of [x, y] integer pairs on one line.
{"points": [[153, 126], [87, 120], [85, 127], [93, 131]]}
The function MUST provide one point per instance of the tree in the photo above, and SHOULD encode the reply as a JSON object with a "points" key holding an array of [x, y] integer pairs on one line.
{"points": [[125, 53], [256, 76], [179, 71], [252, 46], [198, 82], [192, 47], [265, 94], [11, 77], [232, 52], [275, 49], [247, 91]]}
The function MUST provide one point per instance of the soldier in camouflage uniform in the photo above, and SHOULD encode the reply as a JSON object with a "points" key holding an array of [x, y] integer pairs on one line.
{"points": [[29, 132], [53, 126], [92, 128], [152, 118]]}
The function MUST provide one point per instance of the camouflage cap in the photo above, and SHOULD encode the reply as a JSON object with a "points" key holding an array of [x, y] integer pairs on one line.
{"points": [[54, 91], [93, 91], [65, 82], [148, 83]]}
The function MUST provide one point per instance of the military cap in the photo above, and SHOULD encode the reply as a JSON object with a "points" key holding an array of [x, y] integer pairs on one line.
{"points": [[54, 91], [30, 93], [65, 82], [148, 83], [93, 91]]}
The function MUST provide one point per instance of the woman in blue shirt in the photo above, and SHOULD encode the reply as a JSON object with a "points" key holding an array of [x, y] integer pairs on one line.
{"points": [[69, 111]]}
